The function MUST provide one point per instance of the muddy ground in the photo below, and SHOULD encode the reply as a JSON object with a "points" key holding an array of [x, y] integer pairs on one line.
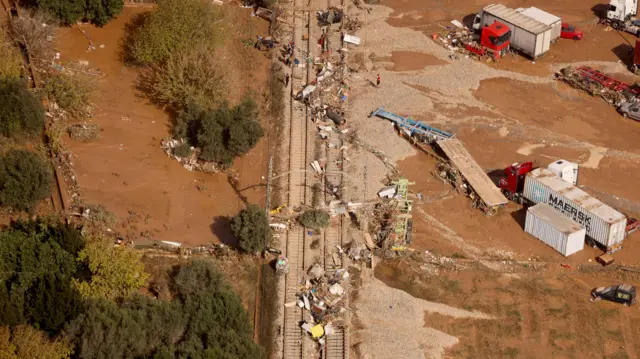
{"points": [[505, 112], [126, 170]]}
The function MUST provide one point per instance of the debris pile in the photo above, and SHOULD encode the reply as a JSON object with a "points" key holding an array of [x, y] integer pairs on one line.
{"points": [[191, 163], [84, 132], [593, 82], [322, 301], [332, 15]]}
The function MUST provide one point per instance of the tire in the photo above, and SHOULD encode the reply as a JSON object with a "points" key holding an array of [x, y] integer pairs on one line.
{"points": [[615, 25], [576, 38], [625, 115]]}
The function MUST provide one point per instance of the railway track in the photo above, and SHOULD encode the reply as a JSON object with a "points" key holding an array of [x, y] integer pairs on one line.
{"points": [[293, 339]]}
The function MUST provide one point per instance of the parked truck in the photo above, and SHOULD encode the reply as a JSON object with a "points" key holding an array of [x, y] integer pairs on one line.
{"points": [[546, 18], [635, 65], [529, 36], [494, 41], [621, 15]]}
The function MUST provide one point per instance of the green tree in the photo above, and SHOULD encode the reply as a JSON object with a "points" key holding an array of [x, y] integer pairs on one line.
{"points": [[314, 219], [20, 112], [251, 227], [116, 272], [68, 12], [192, 76], [10, 60], [174, 26], [101, 12], [36, 272], [225, 133], [25, 342], [25, 179]]}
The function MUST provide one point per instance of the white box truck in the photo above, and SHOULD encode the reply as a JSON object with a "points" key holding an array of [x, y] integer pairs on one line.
{"points": [[544, 17], [622, 15], [604, 224], [528, 36], [568, 171], [554, 229]]}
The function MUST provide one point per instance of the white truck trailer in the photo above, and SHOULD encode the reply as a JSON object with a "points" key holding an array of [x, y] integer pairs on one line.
{"points": [[528, 36], [621, 15], [544, 17]]}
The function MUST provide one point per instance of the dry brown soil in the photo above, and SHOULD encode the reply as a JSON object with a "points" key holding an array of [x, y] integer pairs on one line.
{"points": [[126, 170], [539, 314]]}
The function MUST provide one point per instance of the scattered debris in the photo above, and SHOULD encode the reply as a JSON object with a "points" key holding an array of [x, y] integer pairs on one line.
{"points": [[84, 132], [191, 163]]}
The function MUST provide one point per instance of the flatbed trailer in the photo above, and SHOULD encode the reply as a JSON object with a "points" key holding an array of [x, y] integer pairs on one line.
{"points": [[486, 195], [412, 127], [597, 83]]}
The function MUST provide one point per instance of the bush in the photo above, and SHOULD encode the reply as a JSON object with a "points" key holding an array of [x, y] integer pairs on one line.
{"points": [[183, 150], [251, 227], [226, 133], [189, 77], [314, 219], [68, 12], [10, 60], [20, 112], [71, 93], [173, 27], [25, 179], [24, 342]]}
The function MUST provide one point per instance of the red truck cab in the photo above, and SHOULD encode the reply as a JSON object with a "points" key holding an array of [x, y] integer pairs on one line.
{"points": [[512, 184], [495, 38]]}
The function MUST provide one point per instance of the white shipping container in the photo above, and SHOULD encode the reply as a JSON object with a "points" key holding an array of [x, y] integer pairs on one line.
{"points": [[544, 17], [527, 35], [551, 227], [604, 224]]}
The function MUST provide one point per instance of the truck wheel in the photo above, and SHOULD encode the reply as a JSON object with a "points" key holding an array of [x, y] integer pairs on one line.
{"points": [[615, 25], [625, 115]]}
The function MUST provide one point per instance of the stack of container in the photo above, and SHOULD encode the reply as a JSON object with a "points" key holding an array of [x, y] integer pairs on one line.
{"points": [[551, 227], [603, 224]]}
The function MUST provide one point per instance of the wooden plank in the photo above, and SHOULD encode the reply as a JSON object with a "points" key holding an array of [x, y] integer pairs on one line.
{"points": [[472, 172]]}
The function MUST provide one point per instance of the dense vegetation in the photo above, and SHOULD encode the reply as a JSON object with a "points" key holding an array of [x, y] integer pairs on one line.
{"points": [[25, 179], [251, 227], [178, 42], [44, 315], [21, 113], [205, 320], [70, 92], [69, 12], [223, 133], [10, 60]]}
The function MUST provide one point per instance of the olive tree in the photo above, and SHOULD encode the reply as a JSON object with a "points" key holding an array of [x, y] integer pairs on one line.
{"points": [[251, 227]]}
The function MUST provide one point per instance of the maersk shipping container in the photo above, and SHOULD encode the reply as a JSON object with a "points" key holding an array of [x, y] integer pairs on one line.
{"points": [[527, 35], [554, 229], [544, 17], [604, 224]]}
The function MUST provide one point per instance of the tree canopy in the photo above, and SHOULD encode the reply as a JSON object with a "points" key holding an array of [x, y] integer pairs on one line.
{"points": [[174, 26], [116, 272], [251, 227], [68, 12], [21, 113], [25, 342], [37, 263], [205, 320], [25, 179], [315, 219]]}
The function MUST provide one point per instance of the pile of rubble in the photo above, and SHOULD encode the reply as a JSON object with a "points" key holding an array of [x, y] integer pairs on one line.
{"points": [[191, 163], [575, 80], [322, 300]]}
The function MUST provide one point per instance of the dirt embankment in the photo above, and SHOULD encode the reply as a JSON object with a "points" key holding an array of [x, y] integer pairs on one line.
{"points": [[127, 171]]}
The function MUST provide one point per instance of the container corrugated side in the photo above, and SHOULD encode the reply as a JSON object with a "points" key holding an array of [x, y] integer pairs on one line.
{"points": [[604, 224], [554, 229]]}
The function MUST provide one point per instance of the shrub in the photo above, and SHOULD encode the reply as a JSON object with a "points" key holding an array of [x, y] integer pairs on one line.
{"points": [[251, 227], [101, 12], [71, 93], [10, 60], [24, 342], [226, 133], [173, 27], [183, 151], [314, 219], [20, 112], [188, 77], [25, 179]]}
